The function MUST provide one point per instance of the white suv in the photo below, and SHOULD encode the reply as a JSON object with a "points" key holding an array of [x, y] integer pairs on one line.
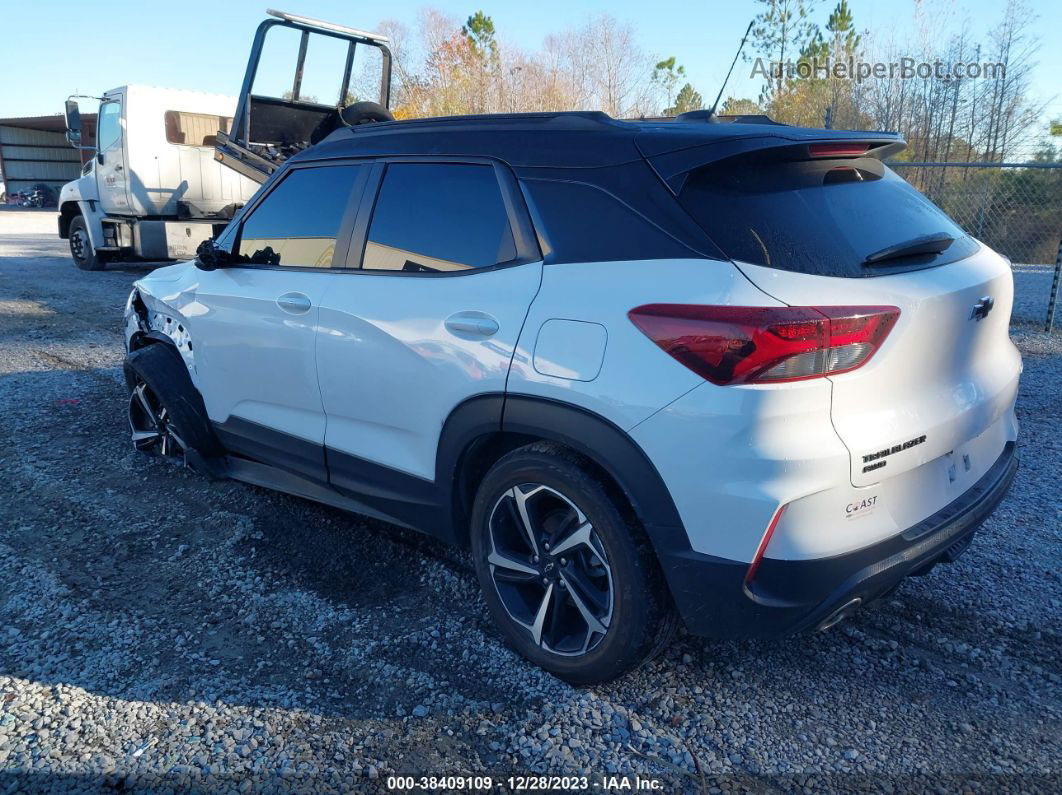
{"points": [[738, 374]]}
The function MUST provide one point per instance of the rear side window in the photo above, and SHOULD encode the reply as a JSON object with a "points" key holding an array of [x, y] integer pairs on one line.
{"points": [[194, 129], [585, 223], [297, 223], [438, 217], [819, 217]]}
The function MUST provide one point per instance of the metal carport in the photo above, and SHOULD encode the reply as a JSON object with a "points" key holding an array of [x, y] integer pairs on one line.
{"points": [[34, 151]]}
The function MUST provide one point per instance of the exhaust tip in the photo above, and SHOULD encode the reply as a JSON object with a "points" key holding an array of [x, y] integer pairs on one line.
{"points": [[840, 614]]}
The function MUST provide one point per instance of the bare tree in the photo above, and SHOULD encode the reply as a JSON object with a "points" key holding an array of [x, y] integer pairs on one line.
{"points": [[450, 68], [1011, 112], [405, 67], [619, 68]]}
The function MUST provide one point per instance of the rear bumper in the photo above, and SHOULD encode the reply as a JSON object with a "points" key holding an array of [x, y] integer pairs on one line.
{"points": [[789, 597]]}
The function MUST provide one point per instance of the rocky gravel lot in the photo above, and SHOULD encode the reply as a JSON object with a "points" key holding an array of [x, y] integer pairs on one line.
{"points": [[162, 632]]}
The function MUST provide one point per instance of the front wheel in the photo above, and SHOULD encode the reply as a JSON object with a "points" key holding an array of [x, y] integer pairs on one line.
{"points": [[166, 413], [84, 255], [151, 425], [571, 582]]}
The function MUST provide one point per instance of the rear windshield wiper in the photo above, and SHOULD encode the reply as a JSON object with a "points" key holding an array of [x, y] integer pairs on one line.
{"points": [[927, 244]]}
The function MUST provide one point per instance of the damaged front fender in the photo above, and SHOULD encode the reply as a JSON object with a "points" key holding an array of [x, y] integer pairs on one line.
{"points": [[145, 325]]}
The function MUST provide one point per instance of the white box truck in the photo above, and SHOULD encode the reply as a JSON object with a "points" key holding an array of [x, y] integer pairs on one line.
{"points": [[152, 190]]}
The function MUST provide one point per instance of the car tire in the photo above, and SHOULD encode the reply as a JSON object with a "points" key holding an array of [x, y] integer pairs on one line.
{"points": [[365, 113], [159, 385], [81, 250], [607, 577]]}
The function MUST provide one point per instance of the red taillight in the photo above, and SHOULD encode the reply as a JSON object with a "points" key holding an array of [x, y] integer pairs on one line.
{"points": [[761, 345], [837, 150]]}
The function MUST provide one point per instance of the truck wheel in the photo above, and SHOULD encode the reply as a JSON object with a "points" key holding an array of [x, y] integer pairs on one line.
{"points": [[85, 257]]}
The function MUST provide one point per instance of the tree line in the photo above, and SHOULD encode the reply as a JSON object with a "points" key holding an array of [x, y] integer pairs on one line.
{"points": [[944, 114], [442, 66]]}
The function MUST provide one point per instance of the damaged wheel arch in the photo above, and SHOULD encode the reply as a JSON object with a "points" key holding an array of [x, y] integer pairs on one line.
{"points": [[160, 365]]}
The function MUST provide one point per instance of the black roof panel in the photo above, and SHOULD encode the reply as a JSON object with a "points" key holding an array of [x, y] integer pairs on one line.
{"points": [[579, 139]]}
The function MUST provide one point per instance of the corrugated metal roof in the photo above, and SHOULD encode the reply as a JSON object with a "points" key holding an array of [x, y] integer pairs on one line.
{"points": [[54, 123]]}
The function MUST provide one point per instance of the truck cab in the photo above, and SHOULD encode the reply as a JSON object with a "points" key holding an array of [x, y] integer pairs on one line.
{"points": [[152, 190]]}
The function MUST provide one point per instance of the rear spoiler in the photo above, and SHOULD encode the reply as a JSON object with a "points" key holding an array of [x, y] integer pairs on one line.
{"points": [[674, 164]]}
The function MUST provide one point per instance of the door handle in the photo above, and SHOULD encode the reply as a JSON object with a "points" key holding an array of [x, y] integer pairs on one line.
{"points": [[294, 303], [472, 325]]}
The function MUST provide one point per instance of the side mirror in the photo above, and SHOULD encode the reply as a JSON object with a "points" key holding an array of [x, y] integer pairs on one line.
{"points": [[73, 123], [208, 257]]}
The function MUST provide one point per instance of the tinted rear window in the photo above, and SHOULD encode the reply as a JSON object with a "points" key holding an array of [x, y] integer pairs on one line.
{"points": [[820, 217]]}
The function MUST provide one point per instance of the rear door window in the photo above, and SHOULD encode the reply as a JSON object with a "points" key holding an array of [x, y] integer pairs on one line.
{"points": [[819, 217], [437, 218], [296, 225]]}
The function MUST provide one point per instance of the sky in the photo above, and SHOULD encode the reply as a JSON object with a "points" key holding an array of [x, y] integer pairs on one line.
{"points": [[54, 48]]}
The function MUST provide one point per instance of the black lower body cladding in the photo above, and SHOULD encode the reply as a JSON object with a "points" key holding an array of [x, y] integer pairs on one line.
{"points": [[790, 597]]}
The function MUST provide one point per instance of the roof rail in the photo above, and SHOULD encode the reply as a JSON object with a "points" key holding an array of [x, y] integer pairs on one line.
{"points": [[575, 119], [738, 118]]}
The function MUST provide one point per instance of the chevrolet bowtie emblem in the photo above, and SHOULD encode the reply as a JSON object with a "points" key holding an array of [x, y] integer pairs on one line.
{"points": [[982, 308]]}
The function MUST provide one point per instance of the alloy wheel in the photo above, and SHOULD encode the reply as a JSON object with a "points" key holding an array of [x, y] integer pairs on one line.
{"points": [[150, 425], [550, 569]]}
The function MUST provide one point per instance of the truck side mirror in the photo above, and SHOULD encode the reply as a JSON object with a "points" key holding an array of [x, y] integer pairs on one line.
{"points": [[73, 123]]}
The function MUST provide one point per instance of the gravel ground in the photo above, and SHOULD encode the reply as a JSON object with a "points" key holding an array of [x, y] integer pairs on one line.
{"points": [[160, 631]]}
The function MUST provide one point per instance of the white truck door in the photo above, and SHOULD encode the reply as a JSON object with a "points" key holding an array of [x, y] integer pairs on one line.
{"points": [[111, 178]]}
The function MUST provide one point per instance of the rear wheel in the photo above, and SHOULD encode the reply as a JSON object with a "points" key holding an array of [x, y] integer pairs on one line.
{"points": [[571, 582], [85, 257]]}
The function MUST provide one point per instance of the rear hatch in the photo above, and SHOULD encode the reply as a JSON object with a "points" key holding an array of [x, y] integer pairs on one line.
{"points": [[832, 226]]}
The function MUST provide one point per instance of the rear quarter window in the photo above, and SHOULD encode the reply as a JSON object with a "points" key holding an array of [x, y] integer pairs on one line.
{"points": [[584, 223], [818, 217]]}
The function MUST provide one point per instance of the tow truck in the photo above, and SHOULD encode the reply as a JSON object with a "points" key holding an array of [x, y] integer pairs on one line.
{"points": [[267, 129]]}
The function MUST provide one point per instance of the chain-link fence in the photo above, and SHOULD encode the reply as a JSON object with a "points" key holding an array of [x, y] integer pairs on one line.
{"points": [[1016, 208]]}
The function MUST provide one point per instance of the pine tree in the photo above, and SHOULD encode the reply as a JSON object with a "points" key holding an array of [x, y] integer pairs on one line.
{"points": [[666, 74], [479, 30], [783, 30], [688, 99]]}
